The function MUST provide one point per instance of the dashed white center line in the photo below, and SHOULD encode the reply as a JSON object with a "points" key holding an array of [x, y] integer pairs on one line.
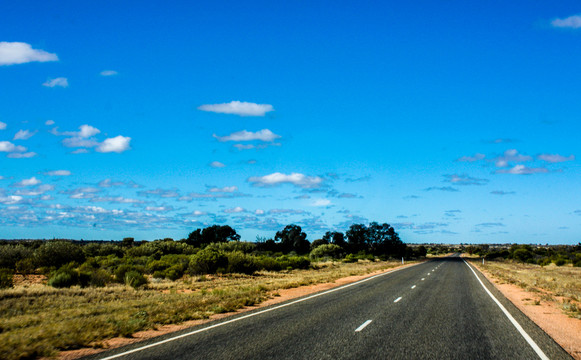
{"points": [[396, 300], [363, 326], [413, 287], [428, 274], [423, 279]]}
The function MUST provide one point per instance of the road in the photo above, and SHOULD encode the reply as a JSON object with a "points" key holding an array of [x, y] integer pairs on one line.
{"points": [[434, 310]]}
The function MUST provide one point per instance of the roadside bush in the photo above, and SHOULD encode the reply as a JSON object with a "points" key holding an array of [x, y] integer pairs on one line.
{"points": [[327, 251], [135, 279], [560, 262], [99, 278], [64, 277], [238, 262], [6, 278], [175, 272], [121, 271], [544, 262], [10, 255], [242, 246], [207, 261], [58, 253], [293, 262]]}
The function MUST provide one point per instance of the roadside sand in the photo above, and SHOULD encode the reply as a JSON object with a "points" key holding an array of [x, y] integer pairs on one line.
{"points": [[566, 331], [277, 297]]}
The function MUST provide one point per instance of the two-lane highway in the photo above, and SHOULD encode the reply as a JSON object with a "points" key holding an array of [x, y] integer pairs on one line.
{"points": [[440, 309]]}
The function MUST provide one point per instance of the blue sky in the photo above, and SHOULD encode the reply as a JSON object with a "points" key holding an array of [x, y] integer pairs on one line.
{"points": [[451, 121]]}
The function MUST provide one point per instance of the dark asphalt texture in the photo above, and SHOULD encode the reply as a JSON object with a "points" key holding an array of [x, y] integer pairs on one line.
{"points": [[448, 315]]}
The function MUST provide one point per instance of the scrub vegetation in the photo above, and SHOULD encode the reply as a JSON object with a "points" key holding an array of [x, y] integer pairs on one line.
{"points": [[59, 294]]}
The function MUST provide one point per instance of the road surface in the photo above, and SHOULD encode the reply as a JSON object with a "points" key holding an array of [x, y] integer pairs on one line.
{"points": [[440, 309]]}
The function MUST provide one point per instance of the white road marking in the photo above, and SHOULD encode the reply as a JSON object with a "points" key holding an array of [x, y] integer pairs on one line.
{"points": [[363, 326], [396, 300], [524, 334], [423, 279], [428, 274], [413, 287], [252, 314]]}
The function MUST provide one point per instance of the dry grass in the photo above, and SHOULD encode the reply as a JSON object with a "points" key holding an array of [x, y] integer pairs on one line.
{"points": [[38, 321], [559, 284]]}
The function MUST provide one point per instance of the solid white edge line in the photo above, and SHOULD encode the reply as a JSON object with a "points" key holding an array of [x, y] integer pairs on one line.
{"points": [[396, 300], [524, 334], [253, 314], [363, 326]]}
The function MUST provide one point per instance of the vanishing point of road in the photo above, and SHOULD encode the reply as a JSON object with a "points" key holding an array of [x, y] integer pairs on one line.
{"points": [[439, 309]]}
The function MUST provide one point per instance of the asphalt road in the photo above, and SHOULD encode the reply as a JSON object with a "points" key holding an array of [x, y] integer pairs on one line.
{"points": [[434, 310]]}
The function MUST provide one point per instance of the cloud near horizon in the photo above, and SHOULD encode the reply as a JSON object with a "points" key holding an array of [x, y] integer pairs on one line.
{"points": [[262, 135], [12, 53], [296, 179], [238, 108], [571, 22]]}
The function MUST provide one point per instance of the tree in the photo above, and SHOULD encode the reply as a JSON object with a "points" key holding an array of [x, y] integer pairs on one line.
{"points": [[357, 237], [335, 237], [212, 234], [292, 238]]}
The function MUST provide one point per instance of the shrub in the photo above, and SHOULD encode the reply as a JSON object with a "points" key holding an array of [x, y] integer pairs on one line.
{"points": [[121, 271], [544, 262], [64, 277], [207, 261], [293, 262], [327, 251], [560, 262], [6, 278], [175, 272], [135, 279], [58, 253], [10, 255], [238, 262], [350, 258], [99, 278]]}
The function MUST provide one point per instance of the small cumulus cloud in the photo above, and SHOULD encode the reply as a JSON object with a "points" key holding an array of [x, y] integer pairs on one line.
{"points": [[321, 202], [57, 82], [108, 73], [28, 182], [235, 210], [238, 108], [490, 224], [15, 151], [296, 179], [464, 180], [160, 193], [571, 22], [509, 156], [58, 173], [262, 135], [19, 53], [473, 158], [49, 122], [24, 155], [3, 125], [501, 193], [226, 189], [35, 191], [441, 188], [24, 135], [555, 158], [217, 164], [523, 170], [117, 144]]}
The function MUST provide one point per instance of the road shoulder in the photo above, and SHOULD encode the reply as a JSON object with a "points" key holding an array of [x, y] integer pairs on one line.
{"points": [[564, 330]]}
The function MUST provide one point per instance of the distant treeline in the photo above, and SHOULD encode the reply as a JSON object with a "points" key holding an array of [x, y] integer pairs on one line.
{"points": [[215, 249], [541, 255]]}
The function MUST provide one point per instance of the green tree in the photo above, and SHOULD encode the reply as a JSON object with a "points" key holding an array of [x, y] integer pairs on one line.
{"points": [[212, 234], [292, 238], [335, 237]]}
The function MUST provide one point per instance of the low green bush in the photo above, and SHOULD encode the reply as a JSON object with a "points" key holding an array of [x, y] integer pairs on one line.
{"points": [[331, 251], [135, 279], [238, 262], [207, 261], [6, 278], [64, 277]]}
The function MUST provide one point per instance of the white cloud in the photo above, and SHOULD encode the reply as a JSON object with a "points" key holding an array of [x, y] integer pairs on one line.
{"points": [[474, 158], [198, 213], [226, 189], [238, 108], [217, 164], [60, 82], [511, 155], [23, 135], [522, 170], [19, 53], [58, 173], [117, 144], [259, 212], [10, 200], [49, 122], [237, 209], [79, 142], [555, 158], [2, 125], [321, 202], [28, 182], [87, 131], [7, 146], [21, 155], [571, 22], [108, 73], [262, 135], [464, 180], [39, 190], [277, 178]]}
